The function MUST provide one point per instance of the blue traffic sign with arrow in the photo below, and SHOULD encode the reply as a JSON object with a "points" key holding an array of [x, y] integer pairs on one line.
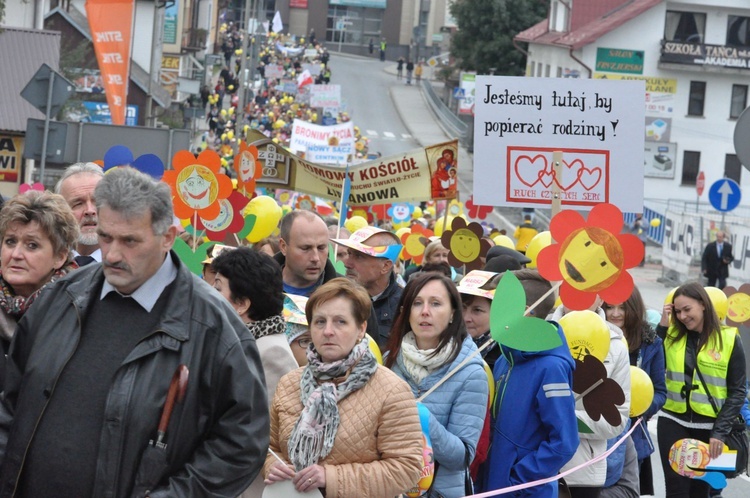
{"points": [[724, 195]]}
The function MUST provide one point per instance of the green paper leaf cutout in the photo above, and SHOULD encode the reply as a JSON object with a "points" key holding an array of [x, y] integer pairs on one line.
{"points": [[508, 325], [249, 224], [338, 265], [583, 428], [193, 260]]}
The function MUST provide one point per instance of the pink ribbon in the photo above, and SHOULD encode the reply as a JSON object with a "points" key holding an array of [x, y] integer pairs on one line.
{"points": [[531, 484]]}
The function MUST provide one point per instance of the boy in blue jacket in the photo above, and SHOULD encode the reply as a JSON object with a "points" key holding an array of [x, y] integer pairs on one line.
{"points": [[534, 431]]}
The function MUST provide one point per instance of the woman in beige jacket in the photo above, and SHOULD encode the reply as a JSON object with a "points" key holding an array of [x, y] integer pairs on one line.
{"points": [[343, 423]]}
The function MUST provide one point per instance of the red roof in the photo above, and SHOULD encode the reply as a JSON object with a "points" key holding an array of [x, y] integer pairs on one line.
{"points": [[590, 19]]}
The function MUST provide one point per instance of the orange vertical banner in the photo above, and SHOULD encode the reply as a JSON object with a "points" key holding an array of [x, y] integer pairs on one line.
{"points": [[111, 23]]}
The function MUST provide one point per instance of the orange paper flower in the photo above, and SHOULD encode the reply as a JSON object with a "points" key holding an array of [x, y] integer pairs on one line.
{"points": [[247, 166], [415, 243], [592, 257], [196, 184]]}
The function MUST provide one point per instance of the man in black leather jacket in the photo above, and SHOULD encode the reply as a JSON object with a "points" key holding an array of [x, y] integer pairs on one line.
{"points": [[88, 373]]}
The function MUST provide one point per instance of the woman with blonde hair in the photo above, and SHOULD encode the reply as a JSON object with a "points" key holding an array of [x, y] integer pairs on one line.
{"points": [[38, 232]]}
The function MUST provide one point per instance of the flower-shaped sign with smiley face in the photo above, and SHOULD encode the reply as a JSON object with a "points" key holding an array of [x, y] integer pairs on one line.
{"points": [[738, 306], [248, 168], [401, 214], [415, 241], [230, 218], [465, 244], [197, 185], [592, 257]]}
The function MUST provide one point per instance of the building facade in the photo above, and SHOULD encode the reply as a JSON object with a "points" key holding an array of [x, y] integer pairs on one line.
{"points": [[695, 58]]}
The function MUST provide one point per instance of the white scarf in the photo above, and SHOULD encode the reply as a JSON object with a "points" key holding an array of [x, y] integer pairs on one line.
{"points": [[419, 363]]}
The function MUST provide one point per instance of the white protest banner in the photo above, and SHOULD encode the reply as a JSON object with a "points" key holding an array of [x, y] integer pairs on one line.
{"points": [[325, 95], [274, 71], [597, 124], [325, 154], [306, 135], [311, 53], [314, 69], [680, 234]]}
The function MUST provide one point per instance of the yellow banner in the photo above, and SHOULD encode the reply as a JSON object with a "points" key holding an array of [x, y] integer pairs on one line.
{"points": [[418, 175], [653, 85]]}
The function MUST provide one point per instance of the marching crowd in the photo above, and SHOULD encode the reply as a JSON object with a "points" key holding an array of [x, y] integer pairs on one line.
{"points": [[357, 384], [279, 371]]}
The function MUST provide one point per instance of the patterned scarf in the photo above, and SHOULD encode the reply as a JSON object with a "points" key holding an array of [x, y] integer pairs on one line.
{"points": [[313, 434], [269, 326], [15, 305], [419, 363]]}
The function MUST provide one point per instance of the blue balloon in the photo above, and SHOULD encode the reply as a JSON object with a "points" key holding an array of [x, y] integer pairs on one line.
{"points": [[117, 155], [150, 164]]}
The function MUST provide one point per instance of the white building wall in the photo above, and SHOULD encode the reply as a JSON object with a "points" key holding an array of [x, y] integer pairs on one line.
{"points": [[19, 14], [710, 134]]}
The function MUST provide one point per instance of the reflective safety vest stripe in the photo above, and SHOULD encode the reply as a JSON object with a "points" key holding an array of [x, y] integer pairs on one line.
{"points": [[712, 363]]}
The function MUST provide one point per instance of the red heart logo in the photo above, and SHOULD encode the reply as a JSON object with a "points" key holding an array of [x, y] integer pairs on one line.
{"points": [[546, 177], [571, 170], [589, 178], [530, 170]]}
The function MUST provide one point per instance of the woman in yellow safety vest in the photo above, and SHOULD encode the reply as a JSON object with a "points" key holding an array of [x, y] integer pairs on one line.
{"points": [[705, 370]]}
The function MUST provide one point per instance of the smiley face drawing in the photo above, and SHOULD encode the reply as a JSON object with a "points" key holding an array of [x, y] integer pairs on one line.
{"points": [[466, 245], [197, 186], [247, 167], [591, 259], [739, 307]]}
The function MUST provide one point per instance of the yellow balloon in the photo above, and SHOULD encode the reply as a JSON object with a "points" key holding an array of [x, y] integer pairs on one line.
{"points": [[490, 381], [586, 334], [655, 222], [670, 296], [539, 242], [641, 391], [355, 223], [439, 227], [719, 300], [230, 134], [504, 241], [267, 214], [223, 112], [374, 349], [417, 213]]}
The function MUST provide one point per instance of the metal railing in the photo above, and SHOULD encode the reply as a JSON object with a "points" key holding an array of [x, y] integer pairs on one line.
{"points": [[450, 121]]}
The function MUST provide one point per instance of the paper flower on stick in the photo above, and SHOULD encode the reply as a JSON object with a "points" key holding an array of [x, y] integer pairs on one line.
{"points": [[592, 258], [119, 155], [508, 325], [415, 241], [401, 213], [196, 184], [247, 166], [600, 394], [465, 244], [738, 311], [477, 212], [230, 218], [305, 202]]}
